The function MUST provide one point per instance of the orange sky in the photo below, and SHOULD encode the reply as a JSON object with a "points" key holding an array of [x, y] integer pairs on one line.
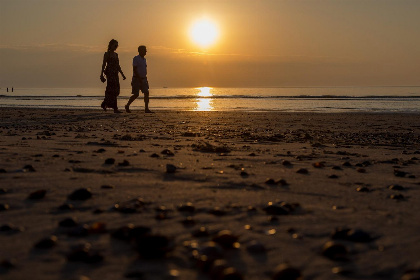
{"points": [[55, 43]]}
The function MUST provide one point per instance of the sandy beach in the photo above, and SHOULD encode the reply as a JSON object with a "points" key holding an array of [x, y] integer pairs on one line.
{"points": [[87, 194]]}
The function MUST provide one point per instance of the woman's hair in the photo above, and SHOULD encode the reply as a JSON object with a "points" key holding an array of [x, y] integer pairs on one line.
{"points": [[113, 41]]}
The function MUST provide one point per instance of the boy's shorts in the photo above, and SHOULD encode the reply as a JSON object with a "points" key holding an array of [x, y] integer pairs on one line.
{"points": [[136, 85]]}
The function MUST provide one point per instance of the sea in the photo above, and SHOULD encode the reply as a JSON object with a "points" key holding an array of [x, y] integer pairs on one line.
{"points": [[390, 99]]}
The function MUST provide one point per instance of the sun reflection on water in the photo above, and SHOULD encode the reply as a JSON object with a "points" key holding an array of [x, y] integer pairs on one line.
{"points": [[205, 102]]}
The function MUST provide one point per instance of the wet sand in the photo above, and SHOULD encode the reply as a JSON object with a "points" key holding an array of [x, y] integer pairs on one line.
{"points": [[208, 195]]}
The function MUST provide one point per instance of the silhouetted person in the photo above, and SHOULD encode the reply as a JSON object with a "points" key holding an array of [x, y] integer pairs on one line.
{"points": [[12, 89], [7, 89], [139, 81], [111, 68]]}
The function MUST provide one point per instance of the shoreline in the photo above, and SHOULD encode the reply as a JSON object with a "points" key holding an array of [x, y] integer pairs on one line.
{"points": [[320, 171]]}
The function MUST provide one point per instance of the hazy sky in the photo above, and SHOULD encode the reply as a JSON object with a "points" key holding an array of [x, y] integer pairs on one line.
{"points": [[60, 43]]}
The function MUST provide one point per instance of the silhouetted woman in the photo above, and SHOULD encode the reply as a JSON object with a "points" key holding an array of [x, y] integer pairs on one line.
{"points": [[111, 68]]}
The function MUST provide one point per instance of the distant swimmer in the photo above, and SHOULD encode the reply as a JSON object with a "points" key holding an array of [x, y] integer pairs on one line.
{"points": [[12, 89], [139, 81]]}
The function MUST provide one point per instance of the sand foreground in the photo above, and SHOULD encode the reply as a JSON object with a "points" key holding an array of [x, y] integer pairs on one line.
{"points": [[87, 194]]}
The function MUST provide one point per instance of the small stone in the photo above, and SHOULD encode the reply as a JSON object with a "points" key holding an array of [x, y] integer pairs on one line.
{"points": [[318, 165], [68, 222], [201, 232], [399, 173], [286, 163], [167, 152], [362, 189], [337, 167], [217, 211], [396, 188], [129, 232], [397, 196], [270, 181], [333, 176], [124, 163], [226, 239], [153, 246], [80, 194], [66, 206], [347, 164], [272, 209], [285, 271], [302, 171], [256, 247], [244, 174], [361, 170], [39, 194], [187, 207], [170, 168], [188, 222], [47, 243], [335, 251], [231, 273], [110, 161], [28, 168], [83, 253], [154, 155], [107, 187], [4, 206]]}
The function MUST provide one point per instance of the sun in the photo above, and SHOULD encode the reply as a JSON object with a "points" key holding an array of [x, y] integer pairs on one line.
{"points": [[204, 32]]}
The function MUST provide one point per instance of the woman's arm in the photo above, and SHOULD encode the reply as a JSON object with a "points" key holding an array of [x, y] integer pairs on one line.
{"points": [[119, 68], [104, 63]]}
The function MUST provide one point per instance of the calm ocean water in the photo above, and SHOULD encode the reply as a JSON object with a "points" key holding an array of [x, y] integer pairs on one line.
{"points": [[292, 99]]}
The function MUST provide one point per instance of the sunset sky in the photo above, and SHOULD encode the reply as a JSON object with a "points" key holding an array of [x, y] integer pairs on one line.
{"points": [[260, 43]]}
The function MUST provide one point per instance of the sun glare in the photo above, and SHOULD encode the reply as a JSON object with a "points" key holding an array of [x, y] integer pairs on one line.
{"points": [[204, 32]]}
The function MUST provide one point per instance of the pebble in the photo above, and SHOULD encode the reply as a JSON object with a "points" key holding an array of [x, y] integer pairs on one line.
{"points": [[124, 163], [226, 239], [399, 173], [110, 161], [335, 251], [361, 170], [333, 176], [68, 222], [256, 247], [167, 152], [217, 211], [170, 168], [4, 206], [354, 235], [207, 254], [362, 189], [83, 253], [285, 271], [347, 164], [200, 232], [107, 187], [28, 168], [396, 188], [286, 163], [397, 196], [129, 232], [188, 222], [318, 165], [47, 243], [302, 171], [187, 207], [153, 245], [270, 181], [337, 167], [39, 194], [231, 273], [80, 194], [154, 155], [66, 206], [272, 209]]}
